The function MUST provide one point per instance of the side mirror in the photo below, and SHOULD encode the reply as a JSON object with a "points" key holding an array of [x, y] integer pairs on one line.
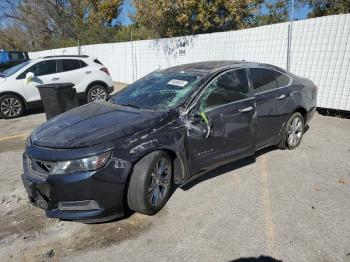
{"points": [[199, 124], [29, 77]]}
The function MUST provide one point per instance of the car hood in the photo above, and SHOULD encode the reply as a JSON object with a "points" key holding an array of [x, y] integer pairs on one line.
{"points": [[94, 124]]}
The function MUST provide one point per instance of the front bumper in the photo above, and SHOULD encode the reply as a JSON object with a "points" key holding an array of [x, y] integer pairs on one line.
{"points": [[85, 196]]}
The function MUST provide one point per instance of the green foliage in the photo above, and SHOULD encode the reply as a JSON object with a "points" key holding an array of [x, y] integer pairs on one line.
{"points": [[46, 24], [134, 32], [277, 12], [177, 17], [328, 7]]}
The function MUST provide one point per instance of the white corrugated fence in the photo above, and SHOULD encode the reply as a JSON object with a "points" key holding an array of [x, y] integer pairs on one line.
{"points": [[320, 51]]}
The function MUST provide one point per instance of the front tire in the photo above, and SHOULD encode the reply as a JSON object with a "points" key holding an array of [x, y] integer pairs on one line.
{"points": [[11, 106], [97, 93], [293, 132], [150, 183]]}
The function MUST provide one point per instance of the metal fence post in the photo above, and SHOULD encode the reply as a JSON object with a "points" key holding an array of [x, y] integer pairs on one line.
{"points": [[290, 36]]}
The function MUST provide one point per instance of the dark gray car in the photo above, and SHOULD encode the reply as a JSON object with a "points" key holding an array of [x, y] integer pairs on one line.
{"points": [[167, 128]]}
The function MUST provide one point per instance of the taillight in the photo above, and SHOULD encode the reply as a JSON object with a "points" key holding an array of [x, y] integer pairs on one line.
{"points": [[104, 69]]}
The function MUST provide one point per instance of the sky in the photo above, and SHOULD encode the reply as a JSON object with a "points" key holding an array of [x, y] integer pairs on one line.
{"points": [[124, 19], [124, 15]]}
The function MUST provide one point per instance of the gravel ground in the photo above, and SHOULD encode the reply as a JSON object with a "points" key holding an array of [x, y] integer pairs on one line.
{"points": [[284, 205]]}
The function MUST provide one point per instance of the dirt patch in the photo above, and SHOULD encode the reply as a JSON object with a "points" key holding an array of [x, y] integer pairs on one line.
{"points": [[35, 236], [23, 222], [90, 237], [104, 235]]}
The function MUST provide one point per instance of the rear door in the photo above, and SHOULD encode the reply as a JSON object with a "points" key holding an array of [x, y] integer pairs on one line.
{"points": [[45, 73], [229, 108], [74, 71], [272, 96]]}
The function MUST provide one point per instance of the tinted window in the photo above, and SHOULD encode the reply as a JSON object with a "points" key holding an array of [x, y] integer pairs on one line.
{"points": [[282, 79], [263, 79], [40, 69], [15, 56], [98, 61], [72, 64], [229, 87]]}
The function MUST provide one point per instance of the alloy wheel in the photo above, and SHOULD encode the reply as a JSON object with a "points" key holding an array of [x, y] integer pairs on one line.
{"points": [[160, 182], [11, 107], [295, 131], [98, 94]]}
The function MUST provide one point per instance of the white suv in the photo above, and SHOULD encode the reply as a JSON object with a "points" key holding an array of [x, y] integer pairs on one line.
{"points": [[18, 89]]}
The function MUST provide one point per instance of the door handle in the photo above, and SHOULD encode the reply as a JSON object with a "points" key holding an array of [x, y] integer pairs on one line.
{"points": [[88, 72], [55, 79], [246, 109], [281, 97]]}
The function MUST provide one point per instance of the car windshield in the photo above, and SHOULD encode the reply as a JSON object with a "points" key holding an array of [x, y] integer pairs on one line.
{"points": [[15, 69], [159, 91]]}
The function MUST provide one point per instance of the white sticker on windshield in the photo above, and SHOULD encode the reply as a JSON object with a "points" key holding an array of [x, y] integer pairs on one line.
{"points": [[176, 82]]}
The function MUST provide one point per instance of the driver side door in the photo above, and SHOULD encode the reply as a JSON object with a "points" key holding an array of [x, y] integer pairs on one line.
{"points": [[227, 108], [45, 73]]}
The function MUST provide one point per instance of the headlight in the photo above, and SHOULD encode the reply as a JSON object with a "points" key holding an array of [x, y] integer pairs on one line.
{"points": [[78, 165]]}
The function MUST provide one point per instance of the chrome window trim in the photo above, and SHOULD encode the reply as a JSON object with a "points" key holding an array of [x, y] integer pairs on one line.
{"points": [[234, 102]]}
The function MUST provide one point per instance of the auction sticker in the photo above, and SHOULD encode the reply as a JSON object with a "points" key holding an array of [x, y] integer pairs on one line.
{"points": [[176, 82]]}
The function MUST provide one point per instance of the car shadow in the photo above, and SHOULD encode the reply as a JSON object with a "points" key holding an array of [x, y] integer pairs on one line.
{"points": [[34, 111], [227, 168], [256, 259], [334, 112]]}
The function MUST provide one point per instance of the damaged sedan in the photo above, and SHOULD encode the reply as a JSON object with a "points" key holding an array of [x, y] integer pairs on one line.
{"points": [[97, 161]]}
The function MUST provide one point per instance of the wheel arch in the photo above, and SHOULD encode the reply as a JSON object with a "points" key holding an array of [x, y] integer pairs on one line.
{"points": [[302, 111], [16, 94], [299, 109], [180, 172], [95, 83]]}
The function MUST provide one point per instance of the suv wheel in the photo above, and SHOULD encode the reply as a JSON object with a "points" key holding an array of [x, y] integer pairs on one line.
{"points": [[11, 106], [293, 132], [150, 183], [96, 93]]}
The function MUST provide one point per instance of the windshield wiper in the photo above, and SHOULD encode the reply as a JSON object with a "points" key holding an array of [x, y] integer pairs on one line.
{"points": [[130, 105]]}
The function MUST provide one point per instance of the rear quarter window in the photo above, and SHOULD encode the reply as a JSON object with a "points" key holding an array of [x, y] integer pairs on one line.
{"points": [[98, 61], [263, 79], [282, 79]]}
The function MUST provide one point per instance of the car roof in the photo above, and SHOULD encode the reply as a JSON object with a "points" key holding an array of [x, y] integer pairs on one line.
{"points": [[208, 67], [59, 57], [66, 56]]}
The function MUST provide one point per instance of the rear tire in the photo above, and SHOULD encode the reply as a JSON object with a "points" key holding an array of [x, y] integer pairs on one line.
{"points": [[293, 132], [11, 106], [97, 93], [150, 183]]}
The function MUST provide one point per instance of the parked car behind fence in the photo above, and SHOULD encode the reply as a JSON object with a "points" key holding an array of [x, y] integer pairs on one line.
{"points": [[10, 59], [18, 85]]}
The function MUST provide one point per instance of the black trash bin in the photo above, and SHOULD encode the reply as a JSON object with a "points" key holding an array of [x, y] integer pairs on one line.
{"points": [[58, 98]]}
